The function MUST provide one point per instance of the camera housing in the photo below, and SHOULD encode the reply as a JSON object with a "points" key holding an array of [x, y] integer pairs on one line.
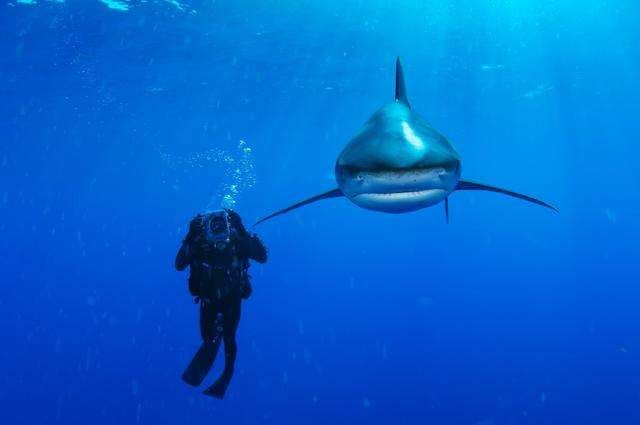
{"points": [[217, 228]]}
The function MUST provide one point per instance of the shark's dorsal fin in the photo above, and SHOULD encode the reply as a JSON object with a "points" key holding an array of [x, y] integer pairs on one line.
{"points": [[401, 90]]}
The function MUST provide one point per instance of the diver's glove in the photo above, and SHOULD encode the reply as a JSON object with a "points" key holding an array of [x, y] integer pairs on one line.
{"points": [[245, 243], [236, 223], [196, 229], [250, 246]]}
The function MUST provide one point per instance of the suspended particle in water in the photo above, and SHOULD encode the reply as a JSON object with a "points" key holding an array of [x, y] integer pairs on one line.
{"points": [[425, 301], [611, 215]]}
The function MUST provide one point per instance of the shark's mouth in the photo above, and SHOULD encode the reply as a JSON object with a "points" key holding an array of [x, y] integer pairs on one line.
{"points": [[399, 202], [399, 190], [400, 182], [400, 196]]}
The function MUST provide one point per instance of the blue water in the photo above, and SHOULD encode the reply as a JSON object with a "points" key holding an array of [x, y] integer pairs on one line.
{"points": [[119, 120]]}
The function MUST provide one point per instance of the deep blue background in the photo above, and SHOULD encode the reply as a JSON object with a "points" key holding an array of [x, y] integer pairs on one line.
{"points": [[508, 315]]}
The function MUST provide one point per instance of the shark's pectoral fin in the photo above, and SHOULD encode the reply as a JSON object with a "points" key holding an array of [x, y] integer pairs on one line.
{"points": [[446, 208], [335, 193], [467, 185]]}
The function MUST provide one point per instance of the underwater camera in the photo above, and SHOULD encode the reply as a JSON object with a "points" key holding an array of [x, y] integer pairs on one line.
{"points": [[218, 230]]}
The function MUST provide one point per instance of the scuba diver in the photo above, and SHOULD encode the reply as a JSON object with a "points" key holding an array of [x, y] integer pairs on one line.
{"points": [[217, 250]]}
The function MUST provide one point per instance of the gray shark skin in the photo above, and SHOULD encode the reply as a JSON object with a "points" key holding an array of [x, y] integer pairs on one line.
{"points": [[398, 163]]}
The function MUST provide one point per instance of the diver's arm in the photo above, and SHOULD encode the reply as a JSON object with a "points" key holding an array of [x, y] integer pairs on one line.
{"points": [[183, 259], [252, 247], [185, 253]]}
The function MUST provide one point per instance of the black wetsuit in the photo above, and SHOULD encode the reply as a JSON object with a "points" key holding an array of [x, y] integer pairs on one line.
{"points": [[218, 277]]}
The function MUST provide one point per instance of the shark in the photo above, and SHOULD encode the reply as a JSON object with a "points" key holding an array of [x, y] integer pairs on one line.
{"points": [[398, 163]]}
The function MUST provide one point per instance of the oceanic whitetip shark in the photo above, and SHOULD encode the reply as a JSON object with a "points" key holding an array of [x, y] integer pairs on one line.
{"points": [[398, 163]]}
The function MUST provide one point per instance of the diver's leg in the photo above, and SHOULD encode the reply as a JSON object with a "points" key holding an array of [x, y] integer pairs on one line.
{"points": [[230, 345], [232, 319], [206, 355]]}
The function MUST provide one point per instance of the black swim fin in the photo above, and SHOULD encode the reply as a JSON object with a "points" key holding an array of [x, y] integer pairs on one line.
{"points": [[219, 388], [201, 363], [467, 185], [335, 193]]}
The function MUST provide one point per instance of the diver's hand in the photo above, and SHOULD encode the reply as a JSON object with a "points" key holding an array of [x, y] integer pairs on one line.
{"points": [[247, 290], [236, 223], [204, 248], [196, 228], [251, 246], [242, 242]]}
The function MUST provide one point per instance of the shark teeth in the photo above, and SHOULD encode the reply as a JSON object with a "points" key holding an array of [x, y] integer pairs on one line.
{"points": [[398, 202], [400, 195], [400, 182]]}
